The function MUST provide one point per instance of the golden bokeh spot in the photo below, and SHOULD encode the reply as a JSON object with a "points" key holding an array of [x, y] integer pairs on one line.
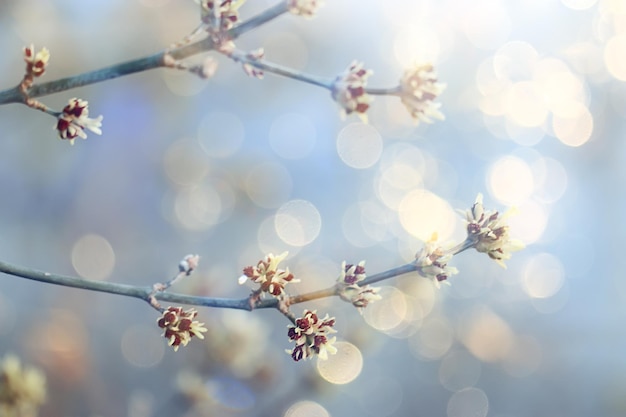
{"points": [[344, 366], [486, 335]]}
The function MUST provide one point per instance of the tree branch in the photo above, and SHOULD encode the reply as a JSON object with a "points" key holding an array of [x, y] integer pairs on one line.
{"points": [[145, 292], [258, 20], [13, 95]]}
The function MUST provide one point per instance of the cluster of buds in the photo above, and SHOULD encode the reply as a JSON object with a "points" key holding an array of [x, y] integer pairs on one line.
{"points": [[348, 90], [223, 12], [188, 264], [22, 390], [310, 334], [35, 62], [266, 273], [488, 232], [306, 8], [74, 119], [349, 289], [179, 326], [250, 69], [418, 90], [432, 262]]}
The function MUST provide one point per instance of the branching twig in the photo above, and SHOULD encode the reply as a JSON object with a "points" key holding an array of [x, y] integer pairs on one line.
{"points": [[14, 95], [145, 292]]}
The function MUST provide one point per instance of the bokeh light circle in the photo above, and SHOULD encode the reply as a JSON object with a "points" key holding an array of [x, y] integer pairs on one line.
{"points": [[614, 57], [469, 402], [543, 276], [344, 366], [268, 241], [434, 338], [514, 61], [486, 335], [574, 129], [198, 208], [524, 104], [359, 145], [510, 180], [529, 222], [423, 213], [388, 313], [297, 222], [306, 409], [93, 257]]}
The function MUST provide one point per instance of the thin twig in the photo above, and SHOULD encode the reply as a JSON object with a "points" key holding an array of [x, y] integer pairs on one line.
{"points": [[284, 71], [258, 20], [393, 91], [281, 70], [327, 292], [13, 95], [146, 292]]}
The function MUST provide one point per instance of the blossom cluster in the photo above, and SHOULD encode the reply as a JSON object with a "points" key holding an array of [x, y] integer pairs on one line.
{"points": [[250, 69], [188, 264], [266, 273], [418, 90], [348, 90], [179, 326], [224, 12], [310, 335], [22, 389], [349, 289], [488, 232], [432, 262], [36, 62], [74, 119], [306, 8]]}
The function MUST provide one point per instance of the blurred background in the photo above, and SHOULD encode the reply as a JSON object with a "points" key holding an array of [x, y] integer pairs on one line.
{"points": [[233, 168]]}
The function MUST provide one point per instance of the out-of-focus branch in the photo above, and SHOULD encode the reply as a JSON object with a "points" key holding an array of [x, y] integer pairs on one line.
{"points": [[13, 95], [258, 20]]}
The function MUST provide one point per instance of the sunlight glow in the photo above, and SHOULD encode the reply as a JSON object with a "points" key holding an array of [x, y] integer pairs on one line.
{"points": [[344, 366]]}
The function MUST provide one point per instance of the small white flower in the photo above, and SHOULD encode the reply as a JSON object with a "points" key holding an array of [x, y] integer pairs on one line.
{"points": [[189, 263], [489, 233], [310, 334], [223, 12], [348, 287], [251, 70], [74, 119], [36, 62], [418, 90], [306, 8], [432, 262], [266, 273], [348, 90]]}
